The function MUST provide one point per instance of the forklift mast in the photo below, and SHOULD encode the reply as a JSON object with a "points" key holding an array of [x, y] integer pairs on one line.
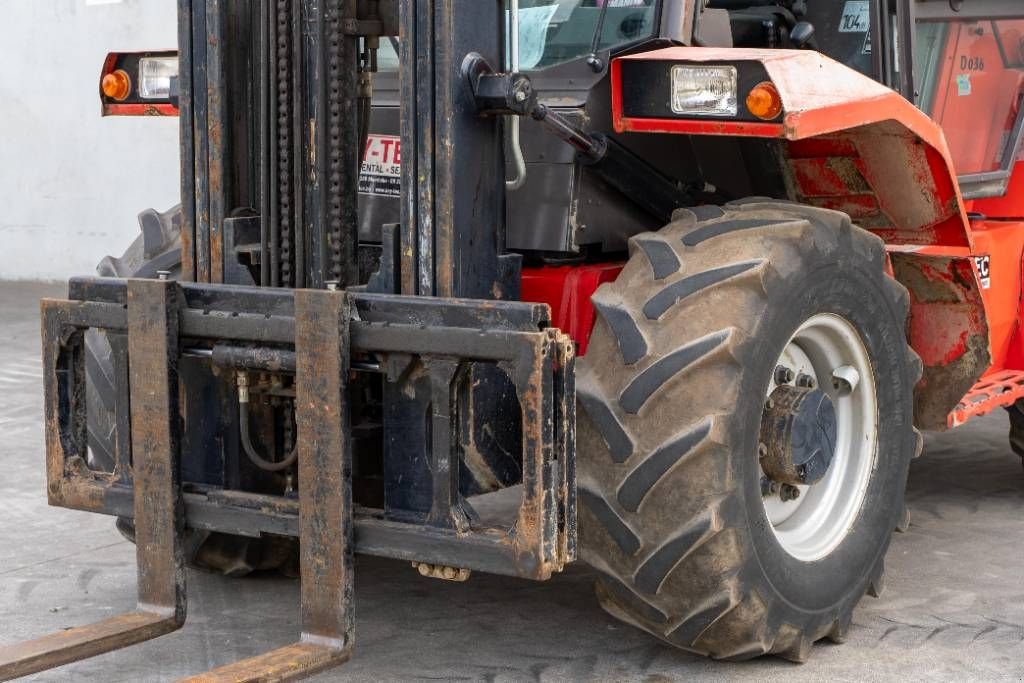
{"points": [[408, 386], [274, 109]]}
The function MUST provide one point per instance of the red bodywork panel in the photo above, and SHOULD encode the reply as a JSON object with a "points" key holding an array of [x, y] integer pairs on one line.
{"points": [[977, 91], [567, 290], [140, 110], [849, 143]]}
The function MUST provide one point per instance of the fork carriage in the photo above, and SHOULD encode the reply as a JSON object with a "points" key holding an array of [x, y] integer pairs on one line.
{"points": [[312, 336]]}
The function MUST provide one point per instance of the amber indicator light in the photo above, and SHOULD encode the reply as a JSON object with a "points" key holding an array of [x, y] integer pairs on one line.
{"points": [[117, 85], [764, 101]]}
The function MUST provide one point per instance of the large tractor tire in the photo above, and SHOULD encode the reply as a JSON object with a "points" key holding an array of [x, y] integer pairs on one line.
{"points": [[691, 540], [158, 248]]}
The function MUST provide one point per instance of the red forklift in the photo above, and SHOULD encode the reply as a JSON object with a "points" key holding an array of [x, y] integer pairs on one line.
{"points": [[667, 286]]}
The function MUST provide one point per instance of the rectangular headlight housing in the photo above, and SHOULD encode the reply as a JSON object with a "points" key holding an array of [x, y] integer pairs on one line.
{"points": [[158, 78], [704, 90]]}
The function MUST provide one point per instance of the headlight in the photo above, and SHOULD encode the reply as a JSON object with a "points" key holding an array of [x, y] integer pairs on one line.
{"points": [[704, 90], [158, 78]]}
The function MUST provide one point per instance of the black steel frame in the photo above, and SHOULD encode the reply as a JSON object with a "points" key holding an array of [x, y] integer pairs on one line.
{"points": [[312, 334], [444, 333]]}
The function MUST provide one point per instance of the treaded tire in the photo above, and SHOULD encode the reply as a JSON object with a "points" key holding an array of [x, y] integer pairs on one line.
{"points": [[158, 248], [671, 393]]}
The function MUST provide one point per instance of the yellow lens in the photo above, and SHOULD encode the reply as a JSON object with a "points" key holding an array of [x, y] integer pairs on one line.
{"points": [[117, 85], [764, 101]]}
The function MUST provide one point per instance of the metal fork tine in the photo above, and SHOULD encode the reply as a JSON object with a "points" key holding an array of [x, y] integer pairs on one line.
{"points": [[325, 499], [159, 514], [64, 647]]}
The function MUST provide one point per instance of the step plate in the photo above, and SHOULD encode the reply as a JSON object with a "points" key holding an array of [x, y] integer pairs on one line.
{"points": [[1000, 389]]}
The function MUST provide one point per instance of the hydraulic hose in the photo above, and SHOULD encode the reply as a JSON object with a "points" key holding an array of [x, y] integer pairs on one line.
{"points": [[243, 431]]}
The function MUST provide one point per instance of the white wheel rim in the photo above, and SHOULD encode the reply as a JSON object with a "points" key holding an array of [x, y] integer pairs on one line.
{"points": [[814, 524]]}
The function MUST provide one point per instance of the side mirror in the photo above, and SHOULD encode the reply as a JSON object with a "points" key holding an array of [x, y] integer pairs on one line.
{"points": [[802, 34]]}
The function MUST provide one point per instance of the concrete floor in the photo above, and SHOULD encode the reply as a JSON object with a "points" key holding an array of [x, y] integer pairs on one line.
{"points": [[953, 608]]}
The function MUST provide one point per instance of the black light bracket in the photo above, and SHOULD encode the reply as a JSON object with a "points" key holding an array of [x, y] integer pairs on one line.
{"points": [[513, 94]]}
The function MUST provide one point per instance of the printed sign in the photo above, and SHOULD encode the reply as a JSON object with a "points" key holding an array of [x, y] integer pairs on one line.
{"points": [[381, 174], [856, 17], [984, 264], [963, 85]]}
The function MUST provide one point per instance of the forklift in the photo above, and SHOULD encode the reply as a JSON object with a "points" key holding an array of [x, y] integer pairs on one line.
{"points": [[667, 286]]}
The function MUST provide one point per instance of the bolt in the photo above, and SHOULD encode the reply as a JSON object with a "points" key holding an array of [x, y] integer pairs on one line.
{"points": [[806, 381], [784, 375], [520, 96], [163, 274], [762, 450], [242, 380], [789, 492]]}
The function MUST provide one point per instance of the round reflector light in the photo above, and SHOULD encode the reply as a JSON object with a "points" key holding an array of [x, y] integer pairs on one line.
{"points": [[117, 85], [764, 101]]}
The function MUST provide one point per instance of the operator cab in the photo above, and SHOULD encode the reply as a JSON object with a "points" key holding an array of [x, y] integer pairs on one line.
{"points": [[964, 62]]}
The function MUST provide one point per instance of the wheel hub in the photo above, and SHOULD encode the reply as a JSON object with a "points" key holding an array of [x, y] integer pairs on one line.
{"points": [[824, 419], [798, 435]]}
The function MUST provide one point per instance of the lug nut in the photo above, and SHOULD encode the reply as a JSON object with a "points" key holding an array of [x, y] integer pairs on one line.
{"points": [[806, 381], [788, 492], [784, 375]]}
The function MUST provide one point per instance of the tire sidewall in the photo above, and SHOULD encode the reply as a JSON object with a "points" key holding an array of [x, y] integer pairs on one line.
{"points": [[841, 287]]}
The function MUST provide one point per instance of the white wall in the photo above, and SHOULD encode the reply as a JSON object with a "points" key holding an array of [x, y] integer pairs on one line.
{"points": [[72, 182]]}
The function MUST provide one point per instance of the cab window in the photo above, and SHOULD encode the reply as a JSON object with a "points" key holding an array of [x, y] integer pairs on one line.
{"points": [[970, 79], [556, 31]]}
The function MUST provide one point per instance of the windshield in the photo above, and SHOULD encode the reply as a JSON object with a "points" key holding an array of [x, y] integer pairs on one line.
{"points": [[843, 32], [970, 77], [556, 31], [841, 28]]}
